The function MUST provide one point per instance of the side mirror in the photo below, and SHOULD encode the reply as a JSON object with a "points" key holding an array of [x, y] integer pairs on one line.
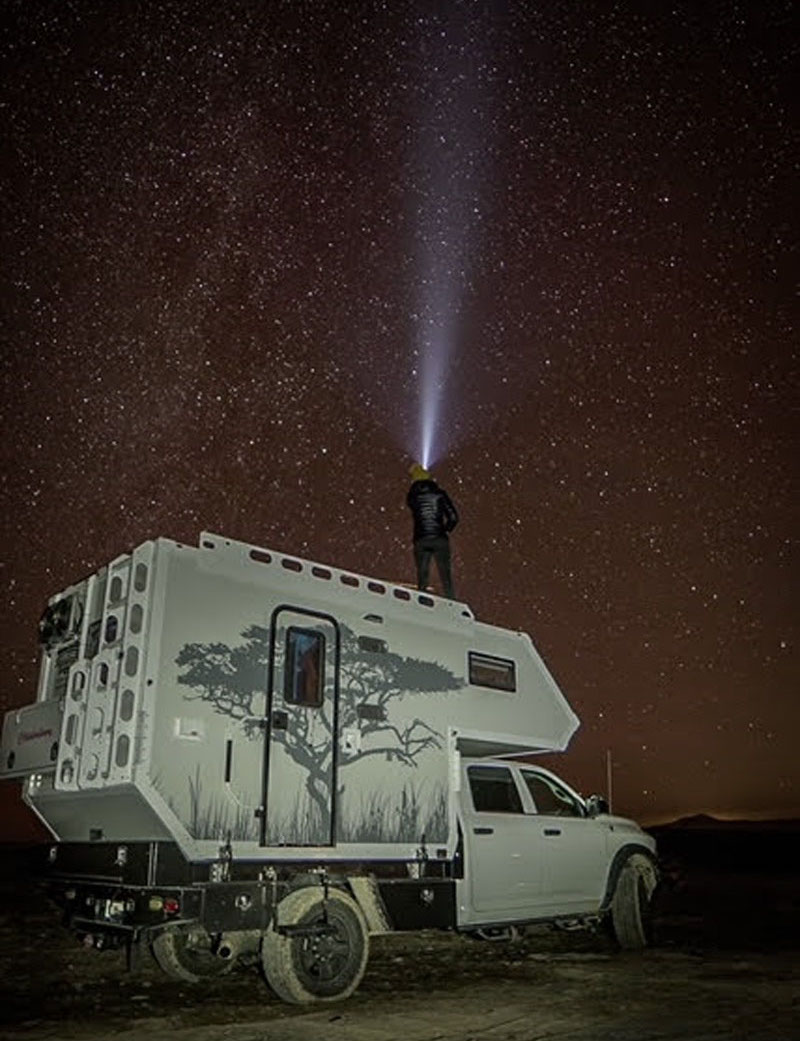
{"points": [[596, 805]]}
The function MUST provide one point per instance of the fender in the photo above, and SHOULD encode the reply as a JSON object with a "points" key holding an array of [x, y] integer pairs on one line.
{"points": [[621, 858]]}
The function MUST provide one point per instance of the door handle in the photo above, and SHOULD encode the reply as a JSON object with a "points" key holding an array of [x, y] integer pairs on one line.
{"points": [[483, 831], [552, 831], [280, 720]]}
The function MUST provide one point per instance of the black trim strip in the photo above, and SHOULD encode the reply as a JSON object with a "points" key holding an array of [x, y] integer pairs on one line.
{"points": [[228, 760]]}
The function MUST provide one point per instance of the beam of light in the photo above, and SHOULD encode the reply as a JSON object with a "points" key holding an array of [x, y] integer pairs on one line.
{"points": [[436, 352], [449, 181]]}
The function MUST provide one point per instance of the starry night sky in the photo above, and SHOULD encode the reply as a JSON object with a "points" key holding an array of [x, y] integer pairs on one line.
{"points": [[248, 247]]}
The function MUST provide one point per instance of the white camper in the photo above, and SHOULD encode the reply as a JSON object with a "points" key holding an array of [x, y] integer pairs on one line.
{"points": [[240, 751]]}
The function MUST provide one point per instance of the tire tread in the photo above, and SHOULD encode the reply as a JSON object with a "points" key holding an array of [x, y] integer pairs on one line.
{"points": [[629, 911], [277, 953]]}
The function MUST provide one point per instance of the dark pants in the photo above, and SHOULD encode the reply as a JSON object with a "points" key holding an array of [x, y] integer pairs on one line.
{"points": [[438, 547]]}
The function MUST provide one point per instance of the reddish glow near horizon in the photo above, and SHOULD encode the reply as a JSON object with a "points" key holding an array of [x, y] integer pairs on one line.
{"points": [[223, 239]]}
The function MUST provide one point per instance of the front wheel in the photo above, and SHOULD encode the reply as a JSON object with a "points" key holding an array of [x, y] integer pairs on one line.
{"points": [[325, 958], [631, 905]]}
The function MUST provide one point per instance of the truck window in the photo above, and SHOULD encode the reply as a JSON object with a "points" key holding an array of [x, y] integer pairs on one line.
{"points": [[550, 798], [493, 790], [303, 672]]}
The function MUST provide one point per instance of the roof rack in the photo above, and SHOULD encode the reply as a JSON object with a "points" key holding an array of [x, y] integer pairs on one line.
{"points": [[326, 573]]}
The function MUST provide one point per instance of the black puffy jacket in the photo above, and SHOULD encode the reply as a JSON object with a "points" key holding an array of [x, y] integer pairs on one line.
{"points": [[433, 511]]}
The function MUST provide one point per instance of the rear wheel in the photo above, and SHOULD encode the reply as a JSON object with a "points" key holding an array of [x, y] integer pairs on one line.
{"points": [[186, 954], [631, 905], [324, 960]]}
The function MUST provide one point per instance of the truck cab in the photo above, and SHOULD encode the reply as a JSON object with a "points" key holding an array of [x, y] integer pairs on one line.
{"points": [[534, 849]]}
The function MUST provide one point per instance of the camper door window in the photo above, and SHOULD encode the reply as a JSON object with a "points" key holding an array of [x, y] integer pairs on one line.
{"points": [[303, 676]]}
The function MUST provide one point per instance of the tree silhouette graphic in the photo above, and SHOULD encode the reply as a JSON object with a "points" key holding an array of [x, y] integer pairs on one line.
{"points": [[233, 680]]}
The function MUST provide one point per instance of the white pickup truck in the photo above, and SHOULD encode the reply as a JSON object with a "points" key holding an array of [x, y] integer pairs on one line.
{"points": [[241, 754], [535, 850]]}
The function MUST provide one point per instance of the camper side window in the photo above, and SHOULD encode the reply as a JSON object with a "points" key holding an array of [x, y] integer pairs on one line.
{"points": [[303, 673], [487, 671], [494, 790]]}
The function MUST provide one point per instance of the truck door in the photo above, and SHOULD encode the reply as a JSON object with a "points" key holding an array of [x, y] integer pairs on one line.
{"points": [[504, 859], [300, 750], [575, 845]]}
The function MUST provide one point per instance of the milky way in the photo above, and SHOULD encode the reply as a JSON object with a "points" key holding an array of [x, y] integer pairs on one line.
{"points": [[225, 227]]}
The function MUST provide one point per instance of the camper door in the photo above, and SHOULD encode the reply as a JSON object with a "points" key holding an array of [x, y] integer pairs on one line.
{"points": [[300, 754]]}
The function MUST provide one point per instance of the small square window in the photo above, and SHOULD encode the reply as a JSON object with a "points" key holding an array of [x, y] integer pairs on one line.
{"points": [[303, 681], [488, 671]]}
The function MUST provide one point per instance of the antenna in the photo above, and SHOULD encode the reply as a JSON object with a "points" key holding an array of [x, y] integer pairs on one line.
{"points": [[609, 781]]}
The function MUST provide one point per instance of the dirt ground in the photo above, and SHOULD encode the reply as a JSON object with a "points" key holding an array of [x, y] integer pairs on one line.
{"points": [[724, 966]]}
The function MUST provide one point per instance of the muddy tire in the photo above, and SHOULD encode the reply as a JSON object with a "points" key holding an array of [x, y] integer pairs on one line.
{"points": [[186, 955], [327, 966], [631, 905]]}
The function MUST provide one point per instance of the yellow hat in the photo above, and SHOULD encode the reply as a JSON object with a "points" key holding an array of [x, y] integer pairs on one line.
{"points": [[419, 473]]}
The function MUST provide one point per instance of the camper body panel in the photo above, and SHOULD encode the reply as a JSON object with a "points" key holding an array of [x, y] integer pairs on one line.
{"points": [[184, 694], [118, 814], [235, 757], [30, 738]]}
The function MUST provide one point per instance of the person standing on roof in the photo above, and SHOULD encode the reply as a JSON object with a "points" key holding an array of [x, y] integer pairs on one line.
{"points": [[435, 516]]}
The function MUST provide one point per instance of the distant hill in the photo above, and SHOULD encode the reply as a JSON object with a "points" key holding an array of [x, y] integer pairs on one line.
{"points": [[707, 843], [705, 822], [696, 820]]}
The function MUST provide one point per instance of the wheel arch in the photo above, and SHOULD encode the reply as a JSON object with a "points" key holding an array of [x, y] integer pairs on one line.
{"points": [[621, 858]]}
